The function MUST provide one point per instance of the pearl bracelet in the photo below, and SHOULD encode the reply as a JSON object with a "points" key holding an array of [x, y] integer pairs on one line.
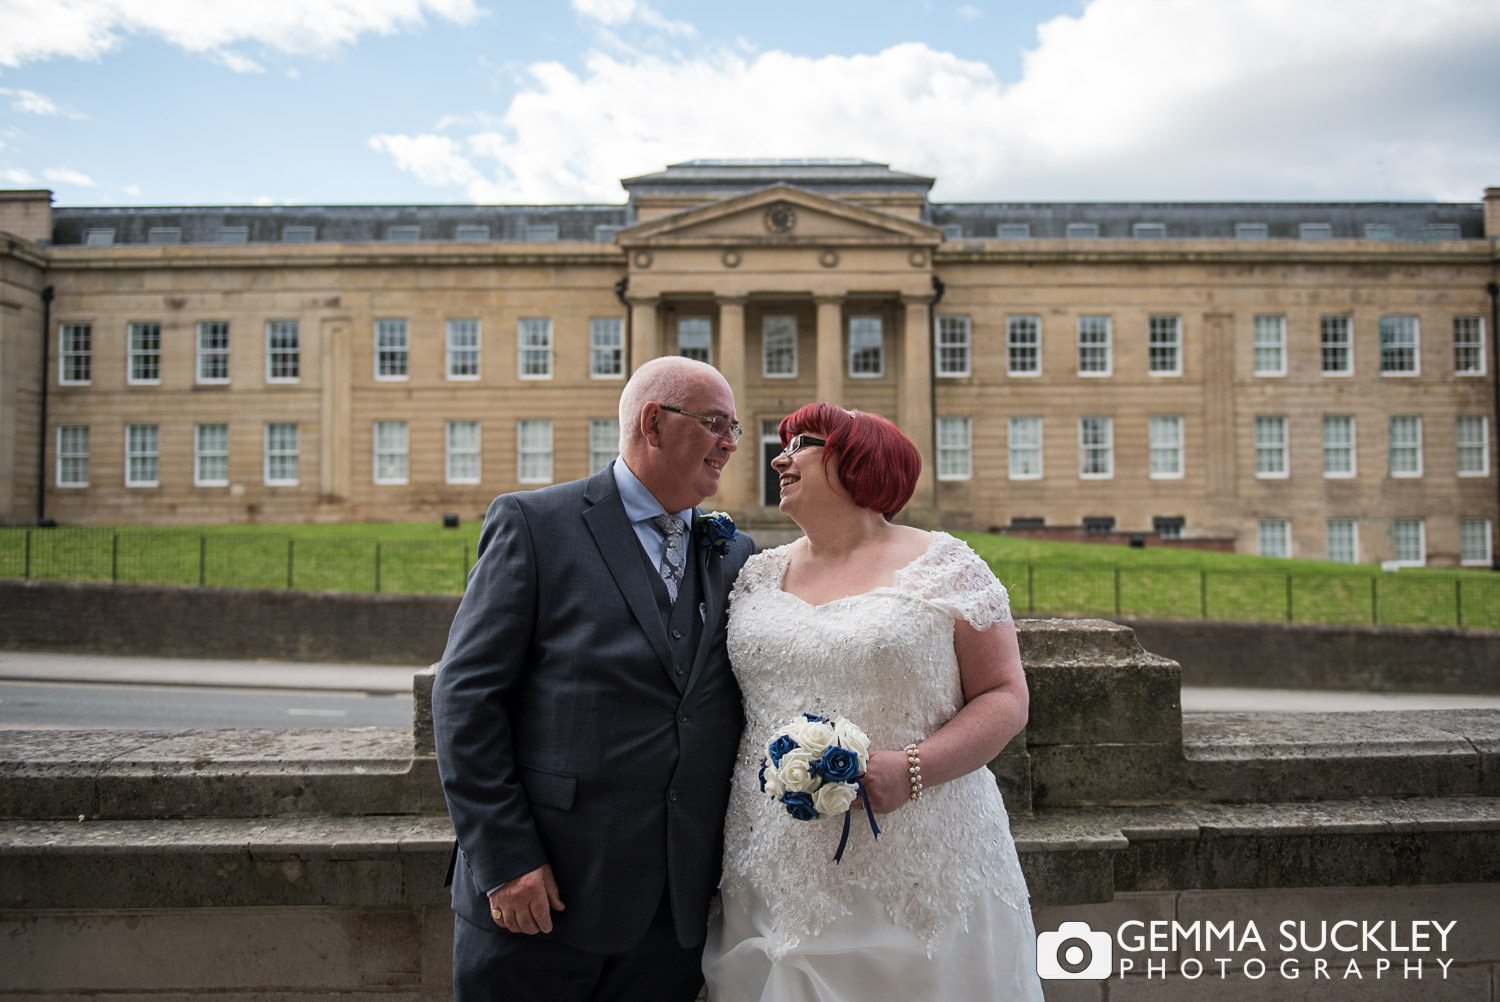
{"points": [[914, 771]]}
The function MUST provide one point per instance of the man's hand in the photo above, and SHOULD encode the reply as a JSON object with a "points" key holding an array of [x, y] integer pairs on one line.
{"points": [[526, 904]]}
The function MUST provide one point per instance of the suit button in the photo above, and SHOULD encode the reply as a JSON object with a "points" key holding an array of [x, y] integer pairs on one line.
{"points": [[676, 634], [682, 717], [679, 669], [672, 794]]}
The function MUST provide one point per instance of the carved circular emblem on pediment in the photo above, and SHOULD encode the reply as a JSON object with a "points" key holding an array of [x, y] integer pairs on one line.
{"points": [[781, 218], [918, 259], [731, 259], [829, 258], [641, 259]]}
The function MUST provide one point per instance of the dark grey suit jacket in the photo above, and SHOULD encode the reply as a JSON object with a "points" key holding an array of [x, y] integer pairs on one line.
{"points": [[565, 734]]}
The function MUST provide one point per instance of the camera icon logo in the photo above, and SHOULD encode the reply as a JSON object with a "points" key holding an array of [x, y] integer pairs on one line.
{"points": [[1074, 952]]}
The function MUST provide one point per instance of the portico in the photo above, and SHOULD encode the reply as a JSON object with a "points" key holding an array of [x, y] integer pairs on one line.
{"points": [[795, 297]]}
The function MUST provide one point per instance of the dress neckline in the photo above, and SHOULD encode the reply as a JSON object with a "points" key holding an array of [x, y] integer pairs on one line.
{"points": [[894, 586]]}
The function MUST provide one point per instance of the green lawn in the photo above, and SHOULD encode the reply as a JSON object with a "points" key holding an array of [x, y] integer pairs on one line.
{"points": [[1044, 578]]}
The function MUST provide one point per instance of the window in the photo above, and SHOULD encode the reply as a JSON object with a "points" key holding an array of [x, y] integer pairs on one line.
{"points": [[1398, 346], [1338, 345], [164, 235], [541, 233], [1251, 231], [213, 351], [604, 442], [390, 452], [1274, 537], [1380, 231], [1149, 231], [1342, 541], [1410, 538], [73, 455], [1406, 446], [144, 341], [1474, 542], [1338, 445], [391, 344], [1096, 447], [140, 455], [210, 455], [1165, 435], [281, 454], [866, 347], [1270, 446], [955, 449], [1440, 231], [534, 452], [1473, 445], [462, 461], [534, 336], [1468, 346], [605, 233], [1025, 445], [1082, 231], [471, 233], [1315, 231], [953, 231], [403, 234], [1164, 346], [778, 347], [1168, 526], [232, 235], [74, 354], [606, 347], [463, 348], [1093, 346], [299, 234], [953, 345], [695, 338], [283, 351], [1270, 346], [1013, 231], [1023, 341], [99, 238], [1098, 525]]}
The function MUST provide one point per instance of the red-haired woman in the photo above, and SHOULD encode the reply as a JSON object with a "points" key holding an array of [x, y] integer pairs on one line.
{"points": [[908, 635]]}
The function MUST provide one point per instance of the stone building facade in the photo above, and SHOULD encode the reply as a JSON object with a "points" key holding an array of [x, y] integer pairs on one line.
{"points": [[1308, 379]]}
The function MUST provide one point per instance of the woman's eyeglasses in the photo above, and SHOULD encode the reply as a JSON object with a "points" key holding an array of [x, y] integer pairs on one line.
{"points": [[718, 424], [800, 442]]}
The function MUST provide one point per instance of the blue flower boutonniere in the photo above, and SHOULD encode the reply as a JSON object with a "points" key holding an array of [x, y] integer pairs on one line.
{"points": [[715, 532]]}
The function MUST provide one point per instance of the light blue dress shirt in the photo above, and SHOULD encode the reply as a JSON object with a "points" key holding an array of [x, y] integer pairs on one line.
{"points": [[641, 507]]}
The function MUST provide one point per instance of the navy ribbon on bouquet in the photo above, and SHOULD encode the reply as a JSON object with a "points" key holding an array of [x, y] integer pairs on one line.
{"points": [[838, 855]]}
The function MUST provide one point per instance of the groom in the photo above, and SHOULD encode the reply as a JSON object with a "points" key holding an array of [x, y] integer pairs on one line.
{"points": [[587, 718]]}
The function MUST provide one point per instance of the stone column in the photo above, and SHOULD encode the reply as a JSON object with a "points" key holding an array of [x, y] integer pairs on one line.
{"points": [[737, 483], [645, 332], [914, 403], [830, 349], [336, 411]]}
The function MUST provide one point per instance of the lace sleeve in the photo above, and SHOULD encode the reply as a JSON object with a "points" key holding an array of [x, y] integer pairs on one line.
{"points": [[762, 570], [957, 580]]}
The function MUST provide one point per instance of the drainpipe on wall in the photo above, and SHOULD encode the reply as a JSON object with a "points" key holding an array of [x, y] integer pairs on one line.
{"points": [[1494, 290], [41, 452], [620, 287], [938, 289]]}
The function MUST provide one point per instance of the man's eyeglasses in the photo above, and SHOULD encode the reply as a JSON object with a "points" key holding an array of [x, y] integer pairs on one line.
{"points": [[719, 425], [799, 442]]}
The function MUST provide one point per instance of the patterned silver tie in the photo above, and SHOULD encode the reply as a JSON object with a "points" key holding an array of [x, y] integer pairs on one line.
{"points": [[673, 554]]}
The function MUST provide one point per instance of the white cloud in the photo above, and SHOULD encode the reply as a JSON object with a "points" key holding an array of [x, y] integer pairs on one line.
{"points": [[87, 29], [263, 200], [17, 177], [236, 61], [29, 102], [66, 175], [133, 190], [617, 13], [969, 13], [1150, 99]]}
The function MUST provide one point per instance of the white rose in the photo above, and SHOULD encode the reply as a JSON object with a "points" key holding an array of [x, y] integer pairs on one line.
{"points": [[834, 798], [774, 787], [795, 772], [847, 735], [814, 735]]}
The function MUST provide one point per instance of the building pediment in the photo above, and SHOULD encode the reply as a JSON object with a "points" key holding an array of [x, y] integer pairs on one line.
{"points": [[780, 215]]}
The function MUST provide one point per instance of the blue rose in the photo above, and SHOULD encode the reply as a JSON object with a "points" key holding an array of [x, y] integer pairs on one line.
{"points": [[715, 532], [840, 765], [800, 806], [814, 718], [780, 747], [762, 775]]}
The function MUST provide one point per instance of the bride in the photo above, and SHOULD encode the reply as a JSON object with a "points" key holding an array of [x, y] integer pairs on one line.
{"points": [[908, 634]]}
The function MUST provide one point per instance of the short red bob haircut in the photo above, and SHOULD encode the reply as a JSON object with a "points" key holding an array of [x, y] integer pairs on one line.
{"points": [[878, 465]]}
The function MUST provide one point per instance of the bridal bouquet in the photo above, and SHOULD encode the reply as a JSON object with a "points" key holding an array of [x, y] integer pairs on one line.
{"points": [[813, 767]]}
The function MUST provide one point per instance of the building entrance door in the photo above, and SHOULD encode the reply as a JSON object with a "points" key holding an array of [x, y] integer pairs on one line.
{"points": [[770, 448]]}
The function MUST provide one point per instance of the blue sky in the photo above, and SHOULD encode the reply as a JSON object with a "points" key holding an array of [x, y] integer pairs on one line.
{"points": [[405, 101]]}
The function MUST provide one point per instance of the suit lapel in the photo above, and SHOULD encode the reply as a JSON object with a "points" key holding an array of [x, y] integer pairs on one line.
{"points": [[714, 593], [615, 536]]}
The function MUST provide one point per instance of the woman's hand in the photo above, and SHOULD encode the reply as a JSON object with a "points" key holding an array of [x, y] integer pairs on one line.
{"points": [[886, 780]]}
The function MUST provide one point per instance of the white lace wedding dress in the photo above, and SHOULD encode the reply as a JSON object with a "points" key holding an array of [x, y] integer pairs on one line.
{"points": [[937, 907]]}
